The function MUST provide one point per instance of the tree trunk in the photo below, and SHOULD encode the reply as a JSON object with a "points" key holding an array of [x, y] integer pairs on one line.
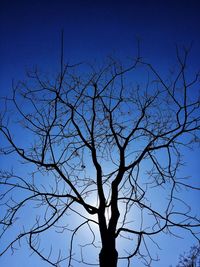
{"points": [[108, 256]]}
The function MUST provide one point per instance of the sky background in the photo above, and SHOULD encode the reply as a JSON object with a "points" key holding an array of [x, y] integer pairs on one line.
{"points": [[93, 29]]}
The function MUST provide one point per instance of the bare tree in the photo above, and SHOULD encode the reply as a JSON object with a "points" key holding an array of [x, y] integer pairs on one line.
{"points": [[103, 145], [191, 259]]}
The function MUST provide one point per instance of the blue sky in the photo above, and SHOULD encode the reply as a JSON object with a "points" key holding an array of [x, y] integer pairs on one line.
{"points": [[94, 29], [30, 31]]}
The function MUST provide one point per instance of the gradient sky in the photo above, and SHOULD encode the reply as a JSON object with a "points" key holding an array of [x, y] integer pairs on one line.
{"points": [[93, 29]]}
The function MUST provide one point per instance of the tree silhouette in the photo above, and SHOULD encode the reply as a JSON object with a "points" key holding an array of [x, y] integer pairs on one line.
{"points": [[101, 154], [191, 259]]}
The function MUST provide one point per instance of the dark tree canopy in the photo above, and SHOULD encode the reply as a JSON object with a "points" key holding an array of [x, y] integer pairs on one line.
{"points": [[100, 152]]}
